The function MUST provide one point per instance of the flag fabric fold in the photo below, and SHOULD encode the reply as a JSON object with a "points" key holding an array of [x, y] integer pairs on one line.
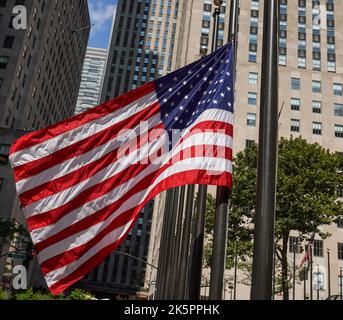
{"points": [[83, 182]]}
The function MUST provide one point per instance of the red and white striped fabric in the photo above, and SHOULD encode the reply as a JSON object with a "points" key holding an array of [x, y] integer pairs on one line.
{"points": [[83, 182]]}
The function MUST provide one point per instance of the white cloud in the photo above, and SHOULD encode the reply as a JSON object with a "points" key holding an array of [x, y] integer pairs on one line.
{"points": [[101, 13]]}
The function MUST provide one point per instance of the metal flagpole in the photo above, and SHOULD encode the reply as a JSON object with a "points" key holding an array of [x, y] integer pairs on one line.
{"points": [[198, 244], [267, 162], [235, 275], [329, 273], [318, 289], [305, 276], [176, 255], [184, 256], [222, 197], [341, 283], [295, 248], [160, 281], [170, 288], [311, 273]]}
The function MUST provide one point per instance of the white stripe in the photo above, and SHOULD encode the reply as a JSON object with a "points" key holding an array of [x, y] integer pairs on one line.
{"points": [[58, 199], [80, 161], [76, 163], [94, 206], [76, 240], [87, 130], [61, 273]]}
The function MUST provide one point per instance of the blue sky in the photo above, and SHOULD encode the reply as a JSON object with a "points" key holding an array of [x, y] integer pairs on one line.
{"points": [[101, 12]]}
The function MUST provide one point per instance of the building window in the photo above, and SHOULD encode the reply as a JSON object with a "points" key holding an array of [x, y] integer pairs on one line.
{"points": [[1, 183], [293, 244], [338, 110], [252, 98], [337, 89], [338, 131], [340, 251], [252, 56], [251, 120], [302, 63], [316, 86], [282, 60], [8, 42], [331, 66], [295, 125], [3, 62], [249, 143], [253, 78], [295, 83], [318, 248], [339, 223], [316, 107], [317, 128], [295, 104]]}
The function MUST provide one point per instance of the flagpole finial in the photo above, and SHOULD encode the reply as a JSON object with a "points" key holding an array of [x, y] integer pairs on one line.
{"points": [[218, 3]]}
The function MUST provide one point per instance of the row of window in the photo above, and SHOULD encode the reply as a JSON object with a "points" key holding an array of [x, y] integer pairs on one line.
{"points": [[317, 127], [317, 248], [296, 84]]}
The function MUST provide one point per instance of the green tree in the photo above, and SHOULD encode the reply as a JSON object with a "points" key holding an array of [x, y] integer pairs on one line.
{"points": [[4, 294], [30, 294], [308, 177], [79, 294]]}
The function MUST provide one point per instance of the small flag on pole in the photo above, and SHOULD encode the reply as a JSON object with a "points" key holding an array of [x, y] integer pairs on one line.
{"points": [[308, 252], [83, 182]]}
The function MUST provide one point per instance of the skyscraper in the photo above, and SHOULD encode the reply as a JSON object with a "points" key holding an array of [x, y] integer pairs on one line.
{"points": [[40, 73], [91, 79]]}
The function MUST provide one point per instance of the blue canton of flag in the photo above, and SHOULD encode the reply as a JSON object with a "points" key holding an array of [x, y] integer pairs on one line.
{"points": [[206, 84]]}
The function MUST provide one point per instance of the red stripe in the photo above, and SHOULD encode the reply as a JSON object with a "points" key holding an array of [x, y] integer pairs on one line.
{"points": [[84, 173], [81, 147], [99, 216], [191, 177], [73, 178], [106, 108], [52, 216], [210, 126]]}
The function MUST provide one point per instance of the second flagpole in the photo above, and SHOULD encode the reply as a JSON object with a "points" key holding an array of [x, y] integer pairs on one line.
{"points": [[222, 199]]}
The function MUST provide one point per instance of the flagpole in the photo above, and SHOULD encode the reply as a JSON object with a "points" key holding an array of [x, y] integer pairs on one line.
{"points": [[295, 248], [161, 271], [311, 273], [184, 255], [267, 161], [305, 276], [198, 244], [222, 197], [171, 246], [329, 273], [176, 254]]}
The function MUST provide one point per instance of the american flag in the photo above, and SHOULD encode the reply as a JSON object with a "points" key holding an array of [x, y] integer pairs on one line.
{"points": [[308, 253], [83, 182]]}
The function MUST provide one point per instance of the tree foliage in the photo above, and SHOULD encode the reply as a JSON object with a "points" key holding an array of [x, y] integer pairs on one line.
{"points": [[308, 177]]}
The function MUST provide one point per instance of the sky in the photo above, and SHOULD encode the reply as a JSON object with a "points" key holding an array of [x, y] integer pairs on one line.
{"points": [[101, 12]]}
